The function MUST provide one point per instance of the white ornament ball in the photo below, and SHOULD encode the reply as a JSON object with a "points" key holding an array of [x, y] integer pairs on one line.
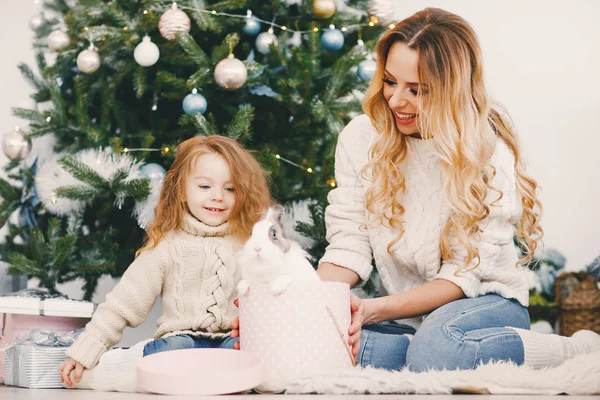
{"points": [[58, 40], [382, 9], [230, 73], [146, 53], [15, 145], [323, 8], [173, 21], [36, 21], [88, 61], [264, 41]]}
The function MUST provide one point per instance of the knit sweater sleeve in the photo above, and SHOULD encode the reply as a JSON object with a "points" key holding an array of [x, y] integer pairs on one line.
{"points": [[128, 304], [495, 244], [345, 216]]}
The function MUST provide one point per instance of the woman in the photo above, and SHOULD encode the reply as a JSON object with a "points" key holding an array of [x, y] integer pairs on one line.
{"points": [[431, 185]]}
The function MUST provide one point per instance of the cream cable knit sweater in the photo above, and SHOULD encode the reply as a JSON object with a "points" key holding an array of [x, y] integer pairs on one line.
{"points": [[195, 272], [416, 258]]}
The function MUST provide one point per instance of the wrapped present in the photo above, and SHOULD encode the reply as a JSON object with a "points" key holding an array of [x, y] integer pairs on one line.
{"points": [[32, 362], [304, 329], [29, 309]]}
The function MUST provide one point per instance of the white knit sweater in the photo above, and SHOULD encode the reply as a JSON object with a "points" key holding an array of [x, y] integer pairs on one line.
{"points": [[416, 258], [196, 273]]}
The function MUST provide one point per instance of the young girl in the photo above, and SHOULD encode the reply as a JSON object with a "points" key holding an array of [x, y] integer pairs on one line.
{"points": [[210, 199]]}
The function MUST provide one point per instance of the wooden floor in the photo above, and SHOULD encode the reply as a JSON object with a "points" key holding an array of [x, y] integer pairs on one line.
{"points": [[13, 393]]}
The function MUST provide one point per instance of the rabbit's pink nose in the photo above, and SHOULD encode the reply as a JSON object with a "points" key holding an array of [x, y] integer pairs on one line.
{"points": [[257, 250]]}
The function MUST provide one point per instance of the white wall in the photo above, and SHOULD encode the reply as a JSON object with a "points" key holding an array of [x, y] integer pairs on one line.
{"points": [[542, 62]]}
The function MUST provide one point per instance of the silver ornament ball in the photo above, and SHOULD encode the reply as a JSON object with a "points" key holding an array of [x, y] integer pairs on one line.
{"points": [[146, 53], [173, 21], [88, 61], [264, 41], [366, 69], [153, 171], [382, 9], [15, 145], [230, 73], [58, 40]]}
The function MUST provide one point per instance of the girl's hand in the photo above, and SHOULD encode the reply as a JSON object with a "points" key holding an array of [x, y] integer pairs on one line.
{"points": [[235, 327], [65, 368], [357, 309]]}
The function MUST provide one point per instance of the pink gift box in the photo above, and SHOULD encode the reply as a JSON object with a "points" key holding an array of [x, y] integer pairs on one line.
{"points": [[294, 333], [19, 315]]}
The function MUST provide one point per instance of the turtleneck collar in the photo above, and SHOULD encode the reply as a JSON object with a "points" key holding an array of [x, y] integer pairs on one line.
{"points": [[198, 228]]}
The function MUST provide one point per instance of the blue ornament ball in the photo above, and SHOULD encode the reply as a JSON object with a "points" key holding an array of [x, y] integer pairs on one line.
{"points": [[366, 70], [332, 39], [194, 103], [252, 26], [153, 171]]}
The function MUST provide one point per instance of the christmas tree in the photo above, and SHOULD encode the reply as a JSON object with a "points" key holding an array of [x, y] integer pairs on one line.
{"points": [[120, 83]]}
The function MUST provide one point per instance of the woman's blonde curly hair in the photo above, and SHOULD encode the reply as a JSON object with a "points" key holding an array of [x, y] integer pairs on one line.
{"points": [[457, 114]]}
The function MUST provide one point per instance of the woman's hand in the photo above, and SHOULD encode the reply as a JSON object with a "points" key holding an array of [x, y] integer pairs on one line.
{"points": [[357, 309], [65, 368], [235, 327]]}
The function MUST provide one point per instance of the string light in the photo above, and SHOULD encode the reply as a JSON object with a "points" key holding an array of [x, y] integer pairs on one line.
{"points": [[166, 150], [128, 150], [249, 14], [309, 170]]}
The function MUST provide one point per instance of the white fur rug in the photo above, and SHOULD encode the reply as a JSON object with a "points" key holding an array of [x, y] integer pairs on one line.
{"points": [[578, 376]]}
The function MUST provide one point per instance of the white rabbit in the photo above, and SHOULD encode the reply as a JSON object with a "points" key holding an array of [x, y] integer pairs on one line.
{"points": [[270, 257]]}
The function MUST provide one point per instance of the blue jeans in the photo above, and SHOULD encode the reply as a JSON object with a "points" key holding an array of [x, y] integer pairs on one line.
{"points": [[187, 342], [459, 335]]}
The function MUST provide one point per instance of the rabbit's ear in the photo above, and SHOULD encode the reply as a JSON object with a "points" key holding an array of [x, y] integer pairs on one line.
{"points": [[277, 213]]}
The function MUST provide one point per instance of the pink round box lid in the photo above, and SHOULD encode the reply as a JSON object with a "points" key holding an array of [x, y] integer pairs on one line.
{"points": [[199, 372]]}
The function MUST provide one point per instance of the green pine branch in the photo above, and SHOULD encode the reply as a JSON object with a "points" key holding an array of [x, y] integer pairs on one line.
{"points": [[11, 200], [240, 128], [46, 255], [193, 50]]}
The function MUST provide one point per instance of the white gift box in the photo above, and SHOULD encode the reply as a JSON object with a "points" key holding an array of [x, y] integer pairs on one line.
{"points": [[51, 307]]}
